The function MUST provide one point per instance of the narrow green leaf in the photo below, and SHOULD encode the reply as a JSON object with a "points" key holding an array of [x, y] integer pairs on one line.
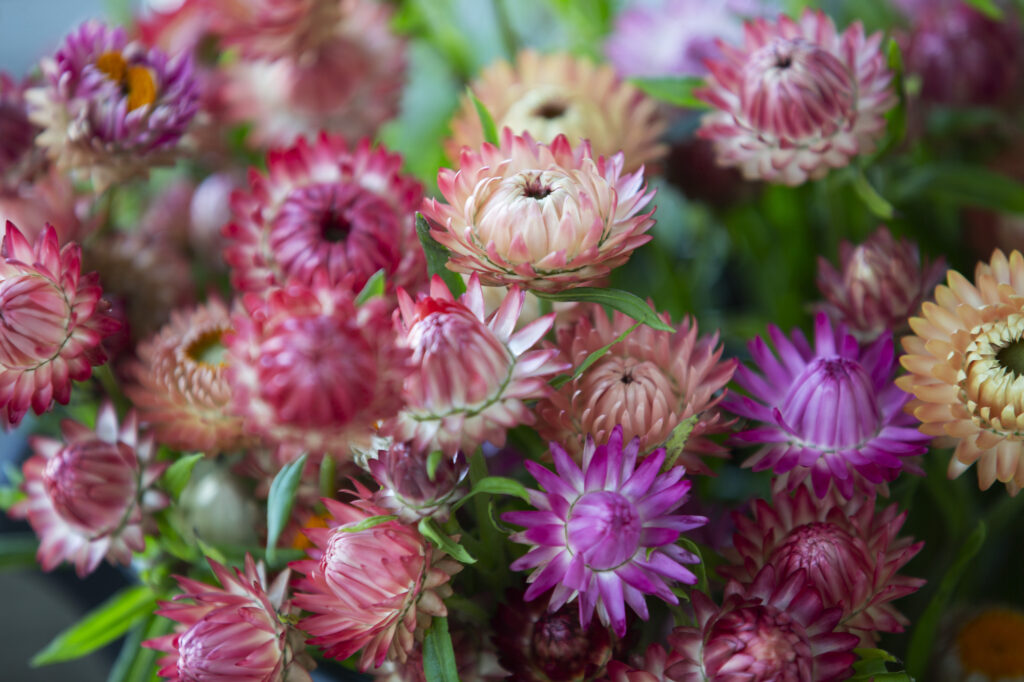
{"points": [[675, 91], [987, 7], [496, 485], [875, 202], [18, 551], [699, 568], [437, 256], [430, 530], [873, 665], [486, 120], [434, 461], [178, 474], [965, 185], [438, 654], [9, 496], [623, 301], [367, 523], [280, 501], [328, 475], [374, 287], [676, 441], [135, 663], [562, 380], [104, 624], [923, 637]]}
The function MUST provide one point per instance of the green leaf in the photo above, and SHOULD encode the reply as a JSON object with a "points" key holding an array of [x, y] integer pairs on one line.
{"points": [[873, 666], [438, 655], [875, 202], [923, 637], [103, 625], [9, 496], [675, 91], [623, 301], [987, 7], [430, 530], [18, 551], [437, 256], [178, 474], [367, 523], [699, 569], [374, 287], [433, 461], [676, 441], [135, 663], [486, 120], [965, 185], [280, 501], [328, 475], [562, 380], [496, 485]]}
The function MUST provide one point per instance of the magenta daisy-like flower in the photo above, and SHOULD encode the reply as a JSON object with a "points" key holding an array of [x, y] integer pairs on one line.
{"points": [[111, 108], [831, 413], [797, 99], [605, 533]]}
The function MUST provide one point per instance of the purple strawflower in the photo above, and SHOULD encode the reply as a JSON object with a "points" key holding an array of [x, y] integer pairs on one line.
{"points": [[605, 534], [110, 108], [831, 412]]}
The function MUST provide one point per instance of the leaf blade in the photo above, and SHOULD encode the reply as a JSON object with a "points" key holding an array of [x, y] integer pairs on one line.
{"points": [[281, 500], [629, 304], [675, 91], [437, 256], [438, 654], [178, 474]]}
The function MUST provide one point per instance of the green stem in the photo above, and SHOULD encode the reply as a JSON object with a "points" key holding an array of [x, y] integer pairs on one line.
{"points": [[875, 202], [108, 381]]}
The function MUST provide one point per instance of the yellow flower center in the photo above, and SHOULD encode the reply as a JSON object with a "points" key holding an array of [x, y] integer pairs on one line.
{"points": [[300, 541], [208, 348], [992, 644], [992, 378], [136, 81]]}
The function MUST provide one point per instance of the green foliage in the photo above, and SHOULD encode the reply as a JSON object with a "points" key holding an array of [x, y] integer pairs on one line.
{"points": [[281, 499], [178, 474], [874, 665], [18, 551], [495, 485], [429, 529], [562, 380], [374, 287], [617, 299], [486, 120], [437, 256], [675, 91], [676, 441], [438, 655]]}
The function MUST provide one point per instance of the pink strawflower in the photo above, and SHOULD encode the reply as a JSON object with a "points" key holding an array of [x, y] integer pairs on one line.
{"points": [[797, 99], [471, 373], [88, 495], [830, 413], [604, 533], [548, 217], [19, 160], [851, 554], [647, 383], [773, 630], [652, 668], [310, 369], [50, 198], [323, 205], [234, 632], [52, 321], [880, 283], [110, 109], [414, 486], [374, 589]]}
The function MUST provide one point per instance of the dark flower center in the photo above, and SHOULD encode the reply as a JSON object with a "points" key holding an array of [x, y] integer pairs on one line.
{"points": [[551, 110], [1011, 357], [208, 348], [535, 189]]}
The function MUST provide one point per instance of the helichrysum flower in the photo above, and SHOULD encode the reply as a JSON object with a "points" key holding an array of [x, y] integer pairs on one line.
{"points": [[850, 553], [471, 373], [652, 668], [986, 646], [235, 632], [87, 495], [52, 321], [560, 94], [880, 283], [797, 99], [548, 217], [19, 161], [772, 630], [325, 206], [605, 533], [647, 383], [413, 484], [181, 388], [111, 108], [830, 413], [965, 365], [374, 589]]}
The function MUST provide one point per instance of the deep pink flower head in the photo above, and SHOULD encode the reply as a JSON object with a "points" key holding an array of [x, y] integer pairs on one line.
{"points": [[472, 373], [605, 533], [797, 99], [308, 368], [52, 321], [849, 551], [773, 630], [234, 633], [417, 484], [653, 667], [322, 205], [111, 108], [87, 495], [831, 413]]}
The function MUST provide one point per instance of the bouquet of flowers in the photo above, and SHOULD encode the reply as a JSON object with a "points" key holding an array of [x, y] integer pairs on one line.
{"points": [[439, 340]]}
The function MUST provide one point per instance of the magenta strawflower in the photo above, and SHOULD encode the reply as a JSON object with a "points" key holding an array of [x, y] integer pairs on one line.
{"points": [[605, 533], [237, 632], [414, 486], [830, 413], [88, 495], [797, 98]]}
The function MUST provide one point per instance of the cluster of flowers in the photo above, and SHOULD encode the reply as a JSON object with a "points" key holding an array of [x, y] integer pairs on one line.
{"points": [[335, 351]]}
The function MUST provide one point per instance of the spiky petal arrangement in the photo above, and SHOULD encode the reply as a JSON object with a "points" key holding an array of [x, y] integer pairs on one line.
{"points": [[416, 484], [547, 217], [797, 99], [472, 373], [648, 383], [110, 109], [605, 533], [964, 365], [850, 553], [324, 205], [830, 413], [87, 496], [653, 667]]}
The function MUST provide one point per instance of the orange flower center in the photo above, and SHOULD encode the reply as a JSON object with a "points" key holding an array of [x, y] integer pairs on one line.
{"points": [[993, 644], [300, 541], [136, 82], [208, 349]]}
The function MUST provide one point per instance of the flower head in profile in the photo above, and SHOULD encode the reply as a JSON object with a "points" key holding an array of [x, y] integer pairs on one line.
{"points": [[605, 533], [547, 217], [416, 484], [88, 494], [797, 99], [110, 108], [830, 414], [965, 368]]}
